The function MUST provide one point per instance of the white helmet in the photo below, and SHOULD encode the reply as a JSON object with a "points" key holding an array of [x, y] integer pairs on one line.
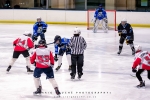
{"points": [[27, 33], [77, 31], [138, 48], [39, 18], [124, 20]]}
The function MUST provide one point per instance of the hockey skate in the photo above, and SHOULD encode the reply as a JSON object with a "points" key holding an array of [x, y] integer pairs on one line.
{"points": [[119, 52], [57, 91], [28, 69], [57, 68], [8, 69], [72, 76], [38, 91], [142, 84], [133, 52], [79, 75], [69, 68]]}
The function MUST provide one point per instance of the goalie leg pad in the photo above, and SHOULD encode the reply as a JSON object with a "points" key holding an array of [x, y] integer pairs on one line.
{"points": [[104, 25], [96, 24]]}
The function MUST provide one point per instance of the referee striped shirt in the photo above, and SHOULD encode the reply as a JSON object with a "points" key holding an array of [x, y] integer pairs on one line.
{"points": [[77, 45]]}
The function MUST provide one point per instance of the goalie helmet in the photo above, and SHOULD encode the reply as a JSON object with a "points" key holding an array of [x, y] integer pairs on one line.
{"points": [[138, 48], [100, 5], [57, 37], [77, 31], [100, 8]]}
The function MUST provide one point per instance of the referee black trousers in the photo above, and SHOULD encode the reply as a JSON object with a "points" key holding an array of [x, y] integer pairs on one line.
{"points": [[77, 60]]}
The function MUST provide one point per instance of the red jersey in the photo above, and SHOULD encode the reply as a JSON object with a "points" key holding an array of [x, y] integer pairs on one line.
{"points": [[43, 58], [23, 43], [142, 59]]}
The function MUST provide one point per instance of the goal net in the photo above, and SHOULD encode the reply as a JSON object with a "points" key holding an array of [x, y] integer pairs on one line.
{"points": [[111, 16]]}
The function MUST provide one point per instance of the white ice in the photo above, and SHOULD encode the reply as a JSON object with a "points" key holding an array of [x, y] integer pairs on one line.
{"points": [[104, 71]]}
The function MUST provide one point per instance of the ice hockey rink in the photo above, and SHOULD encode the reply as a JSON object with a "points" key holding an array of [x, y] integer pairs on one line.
{"points": [[107, 76]]}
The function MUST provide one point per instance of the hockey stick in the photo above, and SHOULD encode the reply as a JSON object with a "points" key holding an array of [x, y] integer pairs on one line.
{"points": [[50, 43], [133, 75]]}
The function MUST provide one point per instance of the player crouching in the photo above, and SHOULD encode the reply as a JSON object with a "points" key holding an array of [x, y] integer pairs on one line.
{"points": [[21, 46], [142, 58], [44, 63], [61, 47], [100, 19]]}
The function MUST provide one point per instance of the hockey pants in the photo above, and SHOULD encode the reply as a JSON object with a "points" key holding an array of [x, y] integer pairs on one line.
{"points": [[139, 72]]}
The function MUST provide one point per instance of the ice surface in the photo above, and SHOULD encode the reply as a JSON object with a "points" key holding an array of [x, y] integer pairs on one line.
{"points": [[104, 71]]}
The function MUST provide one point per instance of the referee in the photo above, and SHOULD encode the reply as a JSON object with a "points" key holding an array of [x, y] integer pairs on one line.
{"points": [[77, 45]]}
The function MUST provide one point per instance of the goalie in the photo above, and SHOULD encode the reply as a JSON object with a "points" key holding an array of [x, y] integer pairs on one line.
{"points": [[39, 29], [100, 18], [125, 32]]}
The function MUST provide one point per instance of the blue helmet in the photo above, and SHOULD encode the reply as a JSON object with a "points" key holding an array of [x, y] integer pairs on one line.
{"points": [[100, 5], [100, 8]]}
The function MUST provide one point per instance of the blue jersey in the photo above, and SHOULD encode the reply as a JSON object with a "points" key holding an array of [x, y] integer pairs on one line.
{"points": [[100, 14], [63, 45], [39, 27]]}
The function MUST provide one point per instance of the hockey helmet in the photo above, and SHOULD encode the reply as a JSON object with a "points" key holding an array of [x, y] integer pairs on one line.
{"points": [[42, 42], [138, 48], [124, 20], [57, 37], [100, 5], [77, 31], [28, 33], [39, 19]]}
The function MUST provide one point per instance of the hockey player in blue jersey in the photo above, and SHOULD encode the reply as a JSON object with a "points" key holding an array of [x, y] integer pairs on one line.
{"points": [[39, 29], [61, 46], [100, 18]]}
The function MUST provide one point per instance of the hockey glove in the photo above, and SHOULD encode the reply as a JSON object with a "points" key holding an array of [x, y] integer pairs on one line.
{"points": [[128, 39], [119, 32], [35, 38], [52, 65], [44, 30], [67, 48], [134, 70], [55, 57], [36, 46]]}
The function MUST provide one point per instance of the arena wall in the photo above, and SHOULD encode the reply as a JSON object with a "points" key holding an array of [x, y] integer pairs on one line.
{"points": [[139, 19]]}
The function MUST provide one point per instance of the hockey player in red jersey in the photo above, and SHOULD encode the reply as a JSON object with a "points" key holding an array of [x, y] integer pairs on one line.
{"points": [[44, 63], [142, 59], [21, 46]]}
